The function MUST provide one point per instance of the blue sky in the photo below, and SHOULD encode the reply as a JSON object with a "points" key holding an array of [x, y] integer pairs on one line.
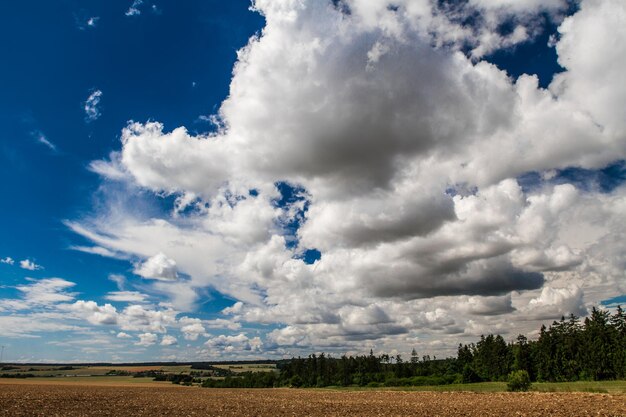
{"points": [[208, 180], [57, 62]]}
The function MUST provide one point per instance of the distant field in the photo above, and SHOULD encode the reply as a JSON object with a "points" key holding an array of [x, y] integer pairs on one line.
{"points": [[121, 381], [44, 370], [30, 399], [611, 387], [252, 367], [53, 370], [140, 368]]}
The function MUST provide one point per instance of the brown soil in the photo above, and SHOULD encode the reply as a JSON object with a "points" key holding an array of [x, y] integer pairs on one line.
{"points": [[73, 400]]}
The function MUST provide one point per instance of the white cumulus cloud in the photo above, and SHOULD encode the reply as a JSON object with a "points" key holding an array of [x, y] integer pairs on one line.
{"points": [[147, 339], [158, 267], [29, 265], [168, 340], [406, 154]]}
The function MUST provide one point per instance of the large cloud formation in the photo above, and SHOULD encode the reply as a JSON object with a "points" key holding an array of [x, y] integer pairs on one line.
{"points": [[403, 149]]}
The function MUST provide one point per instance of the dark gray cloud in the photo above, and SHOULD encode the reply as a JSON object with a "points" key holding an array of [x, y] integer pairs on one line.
{"points": [[482, 278]]}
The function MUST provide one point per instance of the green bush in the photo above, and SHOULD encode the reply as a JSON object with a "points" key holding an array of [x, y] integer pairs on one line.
{"points": [[295, 381], [518, 381], [470, 376]]}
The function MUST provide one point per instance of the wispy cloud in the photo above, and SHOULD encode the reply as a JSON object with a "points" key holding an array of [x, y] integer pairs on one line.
{"points": [[126, 296], [23, 326], [47, 291], [92, 112], [133, 10], [7, 260], [120, 280], [108, 169], [41, 138]]}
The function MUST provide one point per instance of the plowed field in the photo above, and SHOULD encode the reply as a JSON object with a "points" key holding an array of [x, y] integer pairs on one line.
{"points": [[74, 400]]}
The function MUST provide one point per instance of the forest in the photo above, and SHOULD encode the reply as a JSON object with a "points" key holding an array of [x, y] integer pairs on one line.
{"points": [[568, 350]]}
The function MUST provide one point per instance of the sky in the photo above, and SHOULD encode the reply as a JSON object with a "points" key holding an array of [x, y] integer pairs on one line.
{"points": [[210, 180]]}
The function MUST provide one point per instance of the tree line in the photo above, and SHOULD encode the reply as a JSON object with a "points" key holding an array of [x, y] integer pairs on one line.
{"points": [[568, 350]]}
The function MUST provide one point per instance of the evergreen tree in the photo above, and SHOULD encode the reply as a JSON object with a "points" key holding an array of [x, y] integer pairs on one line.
{"points": [[599, 349], [522, 359], [618, 321]]}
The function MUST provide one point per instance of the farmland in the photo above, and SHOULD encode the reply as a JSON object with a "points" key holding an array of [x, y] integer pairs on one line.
{"points": [[178, 373], [89, 370], [251, 367], [31, 397]]}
